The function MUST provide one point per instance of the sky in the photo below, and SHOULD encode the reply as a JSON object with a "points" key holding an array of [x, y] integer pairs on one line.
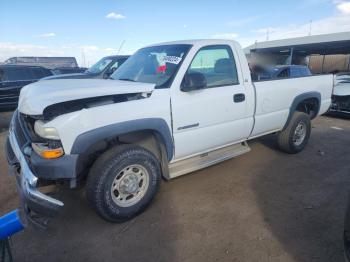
{"points": [[91, 29]]}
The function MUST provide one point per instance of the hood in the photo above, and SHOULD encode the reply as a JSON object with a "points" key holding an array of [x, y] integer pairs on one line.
{"points": [[34, 98], [70, 76], [342, 89]]}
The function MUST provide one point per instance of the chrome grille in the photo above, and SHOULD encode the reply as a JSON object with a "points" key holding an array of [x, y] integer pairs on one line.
{"points": [[19, 130], [11, 157]]}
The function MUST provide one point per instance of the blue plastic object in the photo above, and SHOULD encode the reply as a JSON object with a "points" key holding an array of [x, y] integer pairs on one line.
{"points": [[10, 224]]}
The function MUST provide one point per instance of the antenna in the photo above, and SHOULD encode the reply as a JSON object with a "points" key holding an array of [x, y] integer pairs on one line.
{"points": [[310, 28], [267, 34], [83, 58], [120, 47]]}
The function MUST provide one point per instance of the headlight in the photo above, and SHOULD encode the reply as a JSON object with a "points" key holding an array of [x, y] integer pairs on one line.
{"points": [[45, 132]]}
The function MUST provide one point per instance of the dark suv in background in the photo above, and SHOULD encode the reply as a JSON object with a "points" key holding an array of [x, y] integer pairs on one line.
{"points": [[13, 78], [260, 73], [102, 69]]}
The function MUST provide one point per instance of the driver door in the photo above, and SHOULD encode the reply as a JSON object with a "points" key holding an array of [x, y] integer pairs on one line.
{"points": [[214, 115]]}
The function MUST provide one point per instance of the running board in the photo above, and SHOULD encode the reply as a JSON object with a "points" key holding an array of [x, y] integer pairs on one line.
{"points": [[192, 164]]}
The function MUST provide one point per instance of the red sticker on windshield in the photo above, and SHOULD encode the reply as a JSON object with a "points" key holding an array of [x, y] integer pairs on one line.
{"points": [[161, 69]]}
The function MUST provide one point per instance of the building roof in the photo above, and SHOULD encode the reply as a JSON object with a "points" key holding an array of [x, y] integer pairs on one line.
{"points": [[337, 43]]}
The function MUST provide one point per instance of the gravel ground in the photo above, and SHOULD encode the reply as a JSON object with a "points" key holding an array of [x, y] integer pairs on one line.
{"points": [[262, 206]]}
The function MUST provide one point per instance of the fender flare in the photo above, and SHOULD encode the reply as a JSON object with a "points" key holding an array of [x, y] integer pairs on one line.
{"points": [[85, 140], [299, 99]]}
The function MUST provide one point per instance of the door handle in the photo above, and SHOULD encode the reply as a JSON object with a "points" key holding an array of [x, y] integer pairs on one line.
{"points": [[237, 98]]}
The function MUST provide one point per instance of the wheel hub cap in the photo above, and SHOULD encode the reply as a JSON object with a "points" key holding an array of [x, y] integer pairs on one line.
{"points": [[130, 185], [299, 134]]}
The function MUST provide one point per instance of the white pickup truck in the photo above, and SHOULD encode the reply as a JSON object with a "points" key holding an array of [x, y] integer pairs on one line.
{"points": [[169, 110]]}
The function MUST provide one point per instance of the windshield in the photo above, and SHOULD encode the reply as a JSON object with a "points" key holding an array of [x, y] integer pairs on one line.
{"points": [[99, 66], [156, 65]]}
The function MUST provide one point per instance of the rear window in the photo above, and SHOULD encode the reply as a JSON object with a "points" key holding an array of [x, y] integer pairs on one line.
{"points": [[305, 71], [300, 71], [284, 73], [16, 74]]}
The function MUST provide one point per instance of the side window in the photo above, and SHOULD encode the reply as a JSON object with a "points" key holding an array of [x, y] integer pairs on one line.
{"points": [[28, 74], [217, 65], [306, 71], [114, 65], [294, 72], [284, 73], [39, 73], [36, 73], [121, 61], [16, 74]]}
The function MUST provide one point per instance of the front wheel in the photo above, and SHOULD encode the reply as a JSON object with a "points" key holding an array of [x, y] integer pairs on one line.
{"points": [[123, 182], [294, 138]]}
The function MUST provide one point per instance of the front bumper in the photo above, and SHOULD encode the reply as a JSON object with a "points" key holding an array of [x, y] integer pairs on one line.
{"points": [[34, 204]]}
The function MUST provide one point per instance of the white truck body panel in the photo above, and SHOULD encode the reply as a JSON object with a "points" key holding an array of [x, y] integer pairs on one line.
{"points": [[34, 98], [274, 99], [156, 106], [212, 110]]}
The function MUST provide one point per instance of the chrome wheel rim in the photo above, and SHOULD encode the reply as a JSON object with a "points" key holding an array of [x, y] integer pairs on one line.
{"points": [[130, 185], [299, 134]]}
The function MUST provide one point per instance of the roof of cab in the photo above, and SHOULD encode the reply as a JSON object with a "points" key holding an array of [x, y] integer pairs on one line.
{"points": [[117, 56], [198, 42]]}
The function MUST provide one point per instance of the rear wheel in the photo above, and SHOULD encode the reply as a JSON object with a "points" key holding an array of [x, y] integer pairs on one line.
{"points": [[123, 182], [294, 138]]}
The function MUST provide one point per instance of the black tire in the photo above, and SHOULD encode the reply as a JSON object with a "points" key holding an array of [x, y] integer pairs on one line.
{"points": [[107, 168], [285, 139]]}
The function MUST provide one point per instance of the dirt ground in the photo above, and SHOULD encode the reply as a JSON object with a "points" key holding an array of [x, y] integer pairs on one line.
{"points": [[262, 206]]}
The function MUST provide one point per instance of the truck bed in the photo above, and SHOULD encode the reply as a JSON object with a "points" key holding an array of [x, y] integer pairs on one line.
{"points": [[274, 99]]}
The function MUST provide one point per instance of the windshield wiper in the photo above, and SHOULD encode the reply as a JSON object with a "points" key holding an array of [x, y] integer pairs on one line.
{"points": [[127, 79]]}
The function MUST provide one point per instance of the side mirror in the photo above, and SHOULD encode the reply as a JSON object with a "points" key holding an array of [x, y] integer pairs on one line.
{"points": [[193, 81]]}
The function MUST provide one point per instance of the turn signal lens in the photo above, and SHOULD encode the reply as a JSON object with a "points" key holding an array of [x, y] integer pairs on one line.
{"points": [[54, 153], [46, 152]]}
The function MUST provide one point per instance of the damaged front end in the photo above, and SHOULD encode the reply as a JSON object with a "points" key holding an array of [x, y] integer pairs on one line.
{"points": [[37, 159], [36, 204], [35, 151], [66, 107]]}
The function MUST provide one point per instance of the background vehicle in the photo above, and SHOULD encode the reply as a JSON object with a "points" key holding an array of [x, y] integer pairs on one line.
{"points": [[47, 62], [169, 110], [68, 70], [341, 94], [102, 69], [286, 71], [279, 71], [13, 78]]}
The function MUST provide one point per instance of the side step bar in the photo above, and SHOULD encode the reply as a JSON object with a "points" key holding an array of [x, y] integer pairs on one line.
{"points": [[192, 164]]}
